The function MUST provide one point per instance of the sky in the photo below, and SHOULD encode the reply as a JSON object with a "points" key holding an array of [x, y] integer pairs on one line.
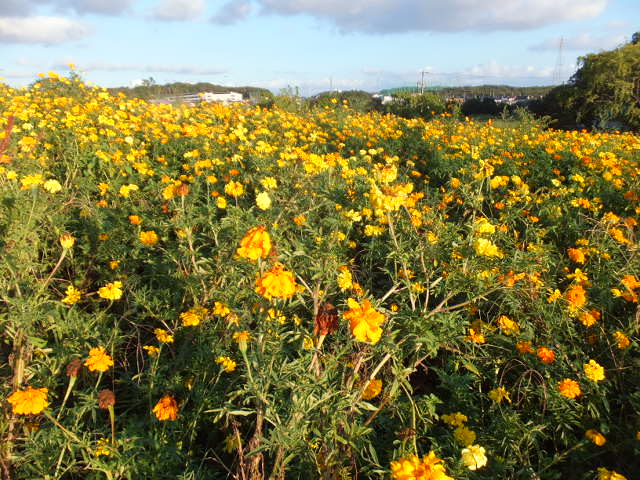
{"points": [[312, 45]]}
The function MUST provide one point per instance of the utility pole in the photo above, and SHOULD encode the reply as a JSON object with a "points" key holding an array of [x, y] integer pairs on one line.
{"points": [[422, 74], [557, 73]]}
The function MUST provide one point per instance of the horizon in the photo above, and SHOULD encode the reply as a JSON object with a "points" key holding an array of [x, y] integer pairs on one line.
{"points": [[315, 46]]}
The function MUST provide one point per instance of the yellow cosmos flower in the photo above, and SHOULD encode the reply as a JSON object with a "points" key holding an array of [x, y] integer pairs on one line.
{"points": [[596, 437], [30, 401], [226, 363], [364, 321], [52, 186], [263, 201], [149, 238], [499, 394], [166, 408], [193, 316], [277, 282], [67, 240], [163, 336], [456, 419], [373, 389], [256, 243], [111, 291], [73, 295], [594, 371], [98, 360], [412, 468], [473, 457]]}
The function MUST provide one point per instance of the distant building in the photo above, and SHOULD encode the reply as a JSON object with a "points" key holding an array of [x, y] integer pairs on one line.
{"points": [[231, 97], [384, 99]]}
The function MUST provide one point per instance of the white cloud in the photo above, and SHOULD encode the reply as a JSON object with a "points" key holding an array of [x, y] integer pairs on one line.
{"points": [[232, 12], [40, 30], [387, 16], [13, 7], [583, 42], [104, 7], [178, 10], [134, 67]]}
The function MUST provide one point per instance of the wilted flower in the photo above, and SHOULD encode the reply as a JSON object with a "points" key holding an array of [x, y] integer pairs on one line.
{"points": [[106, 399], [326, 322]]}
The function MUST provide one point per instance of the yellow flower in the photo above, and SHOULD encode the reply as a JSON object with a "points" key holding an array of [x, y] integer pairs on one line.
{"points": [[576, 297], [604, 474], [221, 202], [111, 291], [364, 321], [277, 282], [594, 371], [456, 419], [269, 183], [569, 388], [30, 401], [52, 186], [73, 295], [372, 390], [135, 219], [263, 201], [345, 279], [499, 394], [149, 238], [508, 326], [242, 338], [125, 190], [235, 189], [163, 336], [227, 363], [464, 436], [256, 243], [622, 339], [166, 408], [193, 316], [486, 248], [596, 437], [151, 350], [98, 360], [473, 457], [412, 468], [102, 448], [67, 240]]}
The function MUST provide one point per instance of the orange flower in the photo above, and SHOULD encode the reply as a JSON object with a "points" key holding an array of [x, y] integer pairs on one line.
{"points": [[589, 318], [255, 244], [546, 355], [364, 321], [98, 360], [277, 282], [412, 468], [524, 347], [576, 296], [30, 401], [576, 254], [622, 339], [166, 408], [149, 238], [372, 390], [569, 388]]}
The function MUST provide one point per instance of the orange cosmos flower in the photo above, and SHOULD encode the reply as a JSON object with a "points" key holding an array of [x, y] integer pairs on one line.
{"points": [[166, 408], [30, 401], [98, 360], [277, 282], [255, 244], [546, 355], [569, 388], [364, 321]]}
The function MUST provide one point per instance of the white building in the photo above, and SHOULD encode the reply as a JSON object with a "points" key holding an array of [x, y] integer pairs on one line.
{"points": [[231, 97]]}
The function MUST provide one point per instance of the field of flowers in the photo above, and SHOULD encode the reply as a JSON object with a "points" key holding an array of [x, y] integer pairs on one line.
{"points": [[220, 292]]}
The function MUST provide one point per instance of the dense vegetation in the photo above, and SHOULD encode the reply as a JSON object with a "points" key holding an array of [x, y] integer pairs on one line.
{"points": [[219, 292]]}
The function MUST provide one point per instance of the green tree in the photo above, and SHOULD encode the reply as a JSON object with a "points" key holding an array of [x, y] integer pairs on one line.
{"points": [[606, 87]]}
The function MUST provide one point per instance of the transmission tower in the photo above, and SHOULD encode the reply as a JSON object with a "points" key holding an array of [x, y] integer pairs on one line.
{"points": [[557, 72]]}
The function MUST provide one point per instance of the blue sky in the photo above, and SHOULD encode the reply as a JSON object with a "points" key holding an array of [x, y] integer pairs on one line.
{"points": [[310, 44]]}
